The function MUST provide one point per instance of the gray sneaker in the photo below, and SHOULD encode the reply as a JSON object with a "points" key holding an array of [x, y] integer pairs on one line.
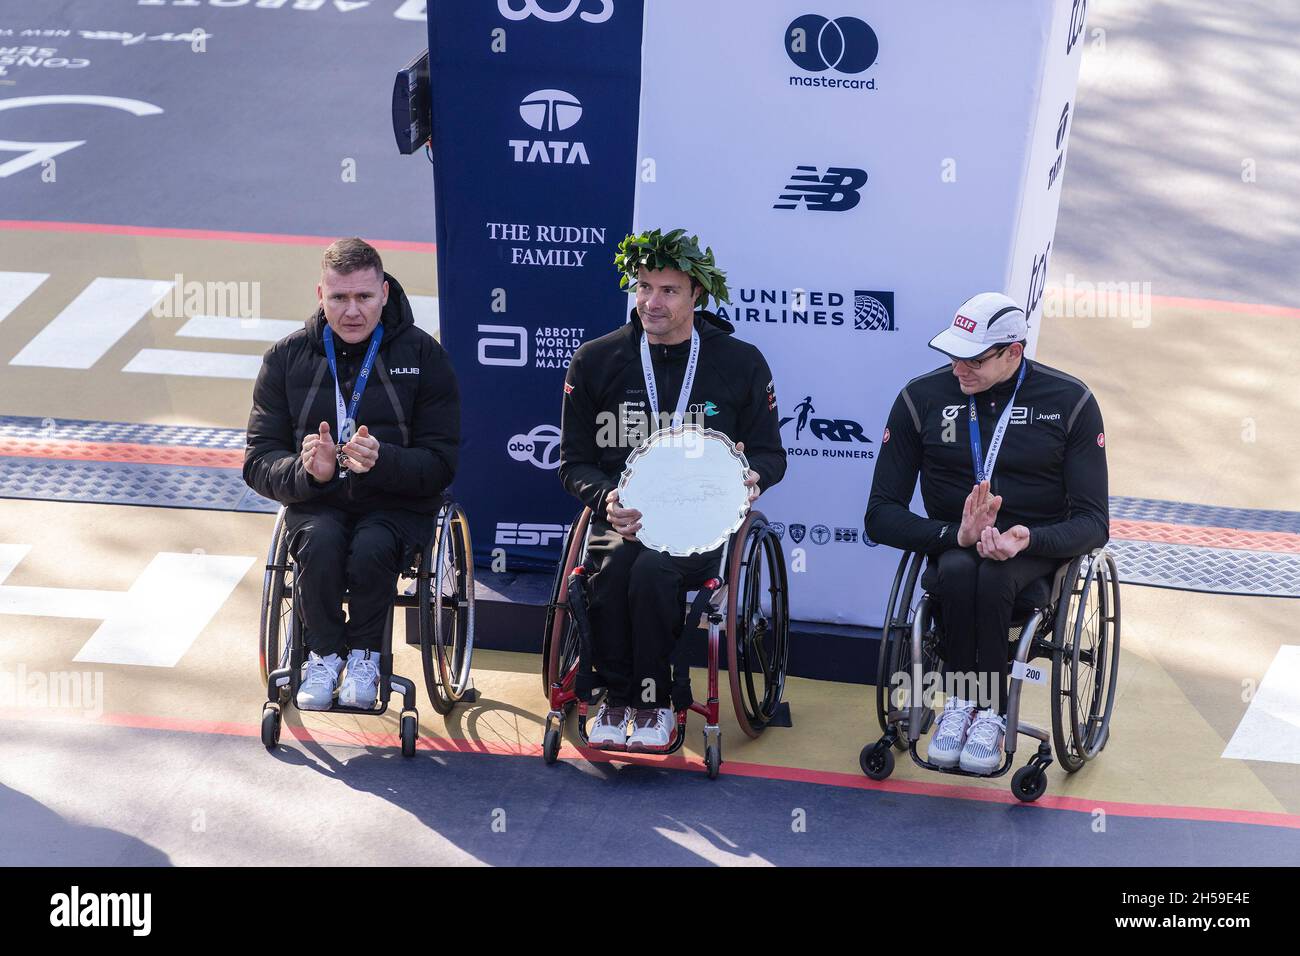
{"points": [[950, 732], [609, 730], [320, 675], [983, 750], [360, 687]]}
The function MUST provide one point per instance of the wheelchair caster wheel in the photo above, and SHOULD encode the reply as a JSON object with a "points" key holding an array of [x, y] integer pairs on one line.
{"points": [[410, 730], [712, 758], [1029, 783], [877, 762], [270, 726], [551, 744]]}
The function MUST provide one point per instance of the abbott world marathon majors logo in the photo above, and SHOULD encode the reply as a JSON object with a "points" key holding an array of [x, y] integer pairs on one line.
{"points": [[863, 310], [550, 112], [819, 45], [540, 447], [808, 434]]}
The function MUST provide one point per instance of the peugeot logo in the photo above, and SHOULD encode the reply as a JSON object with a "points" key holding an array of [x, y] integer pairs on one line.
{"points": [[845, 44], [550, 110]]}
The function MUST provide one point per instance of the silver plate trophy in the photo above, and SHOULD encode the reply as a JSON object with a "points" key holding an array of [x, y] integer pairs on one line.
{"points": [[689, 485]]}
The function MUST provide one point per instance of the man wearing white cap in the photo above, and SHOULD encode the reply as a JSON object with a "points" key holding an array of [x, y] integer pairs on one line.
{"points": [[1011, 456]]}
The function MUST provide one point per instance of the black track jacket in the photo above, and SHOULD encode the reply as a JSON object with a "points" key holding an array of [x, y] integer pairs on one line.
{"points": [[1051, 471], [412, 405], [733, 393]]}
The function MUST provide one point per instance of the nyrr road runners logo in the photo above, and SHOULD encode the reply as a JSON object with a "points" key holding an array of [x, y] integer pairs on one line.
{"points": [[873, 311], [540, 447], [845, 45], [843, 434], [550, 111], [837, 190]]}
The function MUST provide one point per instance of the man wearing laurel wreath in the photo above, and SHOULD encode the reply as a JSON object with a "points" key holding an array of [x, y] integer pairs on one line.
{"points": [[672, 361], [361, 479]]}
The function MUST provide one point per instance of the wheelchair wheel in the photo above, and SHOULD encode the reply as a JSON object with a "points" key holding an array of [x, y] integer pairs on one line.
{"points": [[270, 726], [410, 727], [895, 654], [551, 744], [560, 639], [446, 609], [273, 644], [1029, 783], [1085, 664], [876, 761], [758, 623]]}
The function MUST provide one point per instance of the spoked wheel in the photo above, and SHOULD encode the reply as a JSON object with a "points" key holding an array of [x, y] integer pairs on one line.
{"points": [[758, 623], [560, 639], [446, 608], [897, 627], [273, 642], [897, 675], [1086, 666]]}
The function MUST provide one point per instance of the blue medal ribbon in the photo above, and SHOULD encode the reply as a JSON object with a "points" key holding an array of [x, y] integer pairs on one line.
{"points": [[984, 465], [347, 417]]}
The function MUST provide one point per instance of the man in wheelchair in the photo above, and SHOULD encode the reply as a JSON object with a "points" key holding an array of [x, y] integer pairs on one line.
{"points": [[362, 480], [619, 389], [988, 533]]}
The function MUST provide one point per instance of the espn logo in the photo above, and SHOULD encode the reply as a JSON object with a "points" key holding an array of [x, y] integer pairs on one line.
{"points": [[530, 535], [962, 322]]}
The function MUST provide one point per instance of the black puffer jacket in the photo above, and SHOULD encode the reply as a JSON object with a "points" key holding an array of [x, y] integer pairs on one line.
{"points": [[412, 405]]}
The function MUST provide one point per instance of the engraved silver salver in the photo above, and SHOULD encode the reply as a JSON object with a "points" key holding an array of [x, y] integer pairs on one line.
{"points": [[689, 485]]}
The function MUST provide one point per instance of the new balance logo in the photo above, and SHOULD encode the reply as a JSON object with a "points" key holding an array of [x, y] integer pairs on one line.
{"points": [[835, 191]]}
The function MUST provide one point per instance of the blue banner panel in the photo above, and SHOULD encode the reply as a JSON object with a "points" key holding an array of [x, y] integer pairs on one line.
{"points": [[535, 107]]}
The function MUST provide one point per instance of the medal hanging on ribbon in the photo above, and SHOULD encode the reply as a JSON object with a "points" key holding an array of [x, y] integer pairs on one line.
{"points": [[984, 465], [346, 416], [652, 393]]}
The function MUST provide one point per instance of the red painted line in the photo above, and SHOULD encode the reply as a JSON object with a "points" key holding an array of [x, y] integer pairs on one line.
{"points": [[1234, 539], [71, 450], [677, 762], [160, 232]]}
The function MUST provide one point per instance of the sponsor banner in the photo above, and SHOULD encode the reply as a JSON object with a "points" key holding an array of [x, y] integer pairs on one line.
{"points": [[534, 156], [866, 173]]}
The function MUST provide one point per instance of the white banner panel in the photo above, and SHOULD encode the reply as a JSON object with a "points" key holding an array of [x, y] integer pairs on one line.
{"points": [[859, 168]]}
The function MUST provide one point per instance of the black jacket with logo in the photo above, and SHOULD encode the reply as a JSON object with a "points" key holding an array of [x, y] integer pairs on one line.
{"points": [[411, 404], [1050, 472], [733, 393]]}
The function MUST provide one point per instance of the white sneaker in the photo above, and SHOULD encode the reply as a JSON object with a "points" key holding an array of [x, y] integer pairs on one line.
{"points": [[609, 729], [320, 675], [983, 750], [652, 729], [360, 687], [950, 732]]}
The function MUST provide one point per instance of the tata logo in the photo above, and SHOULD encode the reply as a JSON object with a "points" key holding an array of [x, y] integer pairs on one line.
{"points": [[523, 9], [823, 429], [550, 111], [845, 44], [530, 535], [961, 322], [1061, 126], [837, 190], [541, 447]]}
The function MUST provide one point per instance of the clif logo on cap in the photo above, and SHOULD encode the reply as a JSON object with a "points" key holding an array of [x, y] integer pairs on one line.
{"points": [[964, 323]]}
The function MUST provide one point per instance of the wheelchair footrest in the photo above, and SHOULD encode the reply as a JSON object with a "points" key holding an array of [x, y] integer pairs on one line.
{"points": [[781, 716], [470, 696]]}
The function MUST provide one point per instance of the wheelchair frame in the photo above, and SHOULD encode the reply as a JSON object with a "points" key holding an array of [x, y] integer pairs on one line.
{"points": [[753, 547], [445, 609], [910, 644]]}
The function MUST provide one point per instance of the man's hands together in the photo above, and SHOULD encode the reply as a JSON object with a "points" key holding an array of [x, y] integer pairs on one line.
{"points": [[319, 455], [978, 516]]}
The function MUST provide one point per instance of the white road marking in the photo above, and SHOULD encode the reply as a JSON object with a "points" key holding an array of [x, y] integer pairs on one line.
{"points": [[92, 323], [201, 364], [1270, 728], [238, 330], [15, 287], [425, 310]]}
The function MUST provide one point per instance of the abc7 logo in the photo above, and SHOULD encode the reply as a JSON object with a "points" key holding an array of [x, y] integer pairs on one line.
{"points": [[845, 44], [541, 446], [533, 8]]}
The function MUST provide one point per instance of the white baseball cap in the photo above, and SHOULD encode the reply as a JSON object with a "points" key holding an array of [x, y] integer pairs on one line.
{"points": [[982, 322]]}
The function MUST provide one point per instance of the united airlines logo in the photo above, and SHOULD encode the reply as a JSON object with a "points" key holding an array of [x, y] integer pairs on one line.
{"points": [[873, 311], [836, 190]]}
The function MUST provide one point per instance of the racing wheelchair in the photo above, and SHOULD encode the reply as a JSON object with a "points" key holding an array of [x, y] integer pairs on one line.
{"points": [[1071, 618], [441, 589], [747, 601]]}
